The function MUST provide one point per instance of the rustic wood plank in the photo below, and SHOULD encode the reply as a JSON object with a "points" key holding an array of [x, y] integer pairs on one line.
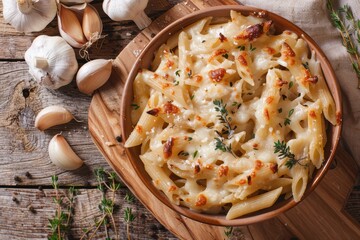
{"points": [[118, 34], [18, 222], [103, 120], [325, 206], [24, 149], [29, 145]]}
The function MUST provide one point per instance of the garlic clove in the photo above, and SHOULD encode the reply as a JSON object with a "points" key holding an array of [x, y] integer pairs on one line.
{"points": [[91, 23], [52, 61], [62, 155], [29, 15], [70, 27], [52, 116], [93, 75]]}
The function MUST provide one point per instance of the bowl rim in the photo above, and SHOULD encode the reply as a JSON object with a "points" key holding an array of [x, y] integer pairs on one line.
{"points": [[285, 204]]}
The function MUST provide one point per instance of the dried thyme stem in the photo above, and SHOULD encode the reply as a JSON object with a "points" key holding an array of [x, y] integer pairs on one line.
{"points": [[347, 40]]}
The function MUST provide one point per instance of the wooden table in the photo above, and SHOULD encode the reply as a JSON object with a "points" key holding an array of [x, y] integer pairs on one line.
{"points": [[26, 194]]}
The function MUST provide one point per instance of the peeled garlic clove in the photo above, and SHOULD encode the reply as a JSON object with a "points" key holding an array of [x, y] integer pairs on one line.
{"points": [[29, 15], [93, 75], [52, 62], [52, 116], [62, 155], [91, 23], [70, 26]]}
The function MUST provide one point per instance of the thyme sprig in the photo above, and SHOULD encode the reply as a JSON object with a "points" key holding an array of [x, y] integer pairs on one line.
{"points": [[60, 223], [128, 217], [220, 145], [349, 28], [224, 118], [284, 152], [228, 231], [107, 182]]}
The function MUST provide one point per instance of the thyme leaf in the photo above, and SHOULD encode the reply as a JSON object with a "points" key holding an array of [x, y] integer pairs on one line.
{"points": [[224, 118], [220, 145], [283, 151]]}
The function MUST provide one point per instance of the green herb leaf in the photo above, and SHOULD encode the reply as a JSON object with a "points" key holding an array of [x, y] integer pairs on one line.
{"points": [[195, 154], [241, 48], [135, 106], [291, 84], [128, 215], [177, 73], [283, 151], [252, 48], [224, 118]]}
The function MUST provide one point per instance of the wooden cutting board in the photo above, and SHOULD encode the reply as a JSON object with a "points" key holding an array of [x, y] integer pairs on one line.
{"points": [[319, 216]]}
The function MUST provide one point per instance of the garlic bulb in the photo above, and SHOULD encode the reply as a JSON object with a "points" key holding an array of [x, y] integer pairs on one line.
{"points": [[79, 25], [52, 116], [62, 155], [29, 15], [93, 75], [52, 62], [127, 10]]}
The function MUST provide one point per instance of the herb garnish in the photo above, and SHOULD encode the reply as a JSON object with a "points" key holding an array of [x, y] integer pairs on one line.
{"points": [[284, 152], [291, 84], [189, 73], [306, 65], [349, 28], [135, 106], [228, 231], [192, 96], [60, 224], [128, 217], [107, 182], [224, 118], [241, 48], [195, 154], [183, 154], [177, 73], [176, 83], [252, 48], [220, 145], [226, 55], [129, 197], [288, 120]]}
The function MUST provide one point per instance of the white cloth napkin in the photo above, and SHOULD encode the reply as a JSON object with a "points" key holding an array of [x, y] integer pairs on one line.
{"points": [[312, 16]]}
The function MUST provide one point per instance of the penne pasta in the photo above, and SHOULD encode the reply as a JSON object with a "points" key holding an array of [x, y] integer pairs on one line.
{"points": [[230, 117]]}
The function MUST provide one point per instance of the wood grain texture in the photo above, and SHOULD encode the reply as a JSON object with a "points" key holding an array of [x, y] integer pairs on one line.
{"points": [[104, 124], [15, 205], [24, 149], [325, 206]]}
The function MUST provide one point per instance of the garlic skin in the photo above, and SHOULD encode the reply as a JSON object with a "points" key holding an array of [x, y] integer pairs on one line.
{"points": [[29, 15], [127, 10], [91, 23], [52, 116], [71, 2], [69, 23], [93, 75], [62, 155], [80, 26], [52, 62]]}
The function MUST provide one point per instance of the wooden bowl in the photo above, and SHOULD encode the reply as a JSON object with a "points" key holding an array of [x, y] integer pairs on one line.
{"points": [[144, 60]]}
